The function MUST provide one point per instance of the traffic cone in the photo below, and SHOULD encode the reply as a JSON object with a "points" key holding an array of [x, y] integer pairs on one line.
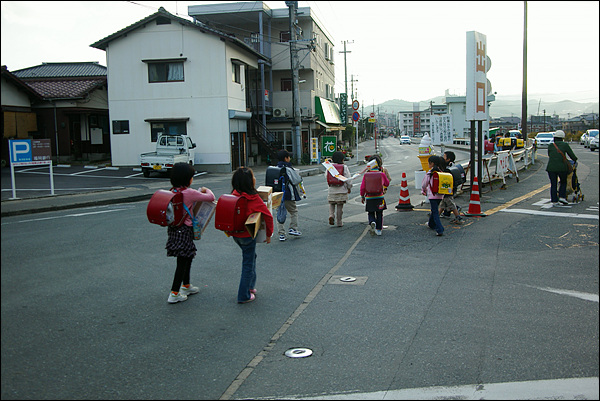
{"points": [[404, 202], [474, 204]]}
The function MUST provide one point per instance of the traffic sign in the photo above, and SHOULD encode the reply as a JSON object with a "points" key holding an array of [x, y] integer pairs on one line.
{"points": [[355, 116], [355, 105], [372, 115]]}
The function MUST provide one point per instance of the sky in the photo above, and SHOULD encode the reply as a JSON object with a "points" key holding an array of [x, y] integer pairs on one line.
{"points": [[408, 50]]}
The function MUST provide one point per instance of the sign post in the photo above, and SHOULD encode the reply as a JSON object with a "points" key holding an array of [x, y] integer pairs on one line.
{"points": [[355, 118], [27, 152]]}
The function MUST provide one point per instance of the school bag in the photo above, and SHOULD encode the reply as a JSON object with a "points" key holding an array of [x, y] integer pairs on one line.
{"points": [[230, 213], [442, 183], [333, 181], [165, 208], [373, 182], [273, 177]]}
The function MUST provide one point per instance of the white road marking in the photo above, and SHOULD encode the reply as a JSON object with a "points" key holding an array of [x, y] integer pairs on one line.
{"points": [[552, 214], [560, 389], [581, 295], [68, 215]]}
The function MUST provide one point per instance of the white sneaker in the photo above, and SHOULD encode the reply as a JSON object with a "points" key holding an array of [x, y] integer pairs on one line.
{"points": [[189, 291], [173, 298], [294, 232], [378, 232], [282, 237], [563, 201]]}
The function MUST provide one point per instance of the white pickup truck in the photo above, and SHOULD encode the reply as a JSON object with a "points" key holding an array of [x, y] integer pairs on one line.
{"points": [[170, 149]]}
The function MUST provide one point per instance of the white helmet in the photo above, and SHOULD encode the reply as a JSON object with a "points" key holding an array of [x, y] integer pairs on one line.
{"points": [[559, 134]]}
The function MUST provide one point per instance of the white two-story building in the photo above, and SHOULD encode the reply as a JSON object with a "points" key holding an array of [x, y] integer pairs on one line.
{"points": [[168, 74]]}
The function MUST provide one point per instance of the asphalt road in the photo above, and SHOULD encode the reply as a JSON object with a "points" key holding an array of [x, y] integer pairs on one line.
{"points": [[503, 306]]}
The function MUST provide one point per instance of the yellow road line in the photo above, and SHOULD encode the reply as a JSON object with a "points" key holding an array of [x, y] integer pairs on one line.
{"points": [[517, 200]]}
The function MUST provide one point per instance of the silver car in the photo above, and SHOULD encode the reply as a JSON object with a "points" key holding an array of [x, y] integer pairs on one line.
{"points": [[589, 134], [594, 143], [543, 139]]}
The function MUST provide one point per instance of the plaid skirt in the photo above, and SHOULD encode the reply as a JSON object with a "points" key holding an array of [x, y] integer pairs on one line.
{"points": [[180, 242]]}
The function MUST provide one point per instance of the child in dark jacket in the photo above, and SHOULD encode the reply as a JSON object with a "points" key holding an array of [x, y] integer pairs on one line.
{"points": [[375, 202], [244, 184]]}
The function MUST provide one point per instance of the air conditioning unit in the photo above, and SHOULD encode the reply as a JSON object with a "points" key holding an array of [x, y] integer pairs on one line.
{"points": [[279, 112]]}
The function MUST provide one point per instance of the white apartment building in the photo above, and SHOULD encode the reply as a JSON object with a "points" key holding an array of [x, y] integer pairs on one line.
{"points": [[268, 31]]}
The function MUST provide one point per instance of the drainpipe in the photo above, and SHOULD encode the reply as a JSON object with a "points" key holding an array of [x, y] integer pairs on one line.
{"points": [[56, 133]]}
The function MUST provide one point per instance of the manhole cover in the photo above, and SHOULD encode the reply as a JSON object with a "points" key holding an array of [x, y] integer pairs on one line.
{"points": [[348, 279], [298, 352]]}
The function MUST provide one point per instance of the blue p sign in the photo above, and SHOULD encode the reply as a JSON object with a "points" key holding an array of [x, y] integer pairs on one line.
{"points": [[20, 150]]}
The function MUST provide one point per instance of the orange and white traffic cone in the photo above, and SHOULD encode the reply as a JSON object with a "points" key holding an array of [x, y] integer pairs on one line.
{"points": [[404, 202], [474, 203]]}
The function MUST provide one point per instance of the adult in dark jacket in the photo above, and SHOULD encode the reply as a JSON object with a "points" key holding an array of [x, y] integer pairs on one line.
{"points": [[557, 168]]}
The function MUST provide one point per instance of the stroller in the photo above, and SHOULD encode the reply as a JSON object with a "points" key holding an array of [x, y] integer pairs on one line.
{"points": [[573, 187]]}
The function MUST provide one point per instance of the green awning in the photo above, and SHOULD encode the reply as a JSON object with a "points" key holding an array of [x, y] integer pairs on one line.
{"points": [[327, 111]]}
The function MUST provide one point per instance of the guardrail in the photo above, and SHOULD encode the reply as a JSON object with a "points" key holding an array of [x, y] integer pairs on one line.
{"points": [[505, 163]]}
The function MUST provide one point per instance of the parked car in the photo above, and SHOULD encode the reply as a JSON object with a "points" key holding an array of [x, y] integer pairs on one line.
{"points": [[170, 149], [543, 139], [405, 139], [594, 143], [591, 133], [582, 139]]}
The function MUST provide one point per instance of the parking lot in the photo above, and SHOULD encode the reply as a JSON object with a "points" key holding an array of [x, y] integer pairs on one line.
{"points": [[35, 181]]}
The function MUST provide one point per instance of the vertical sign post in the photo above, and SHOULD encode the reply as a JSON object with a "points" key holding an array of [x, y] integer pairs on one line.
{"points": [[476, 91]]}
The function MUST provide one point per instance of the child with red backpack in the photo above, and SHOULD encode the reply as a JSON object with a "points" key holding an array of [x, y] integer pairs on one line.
{"points": [[436, 164], [373, 187], [338, 189], [180, 242], [244, 185]]}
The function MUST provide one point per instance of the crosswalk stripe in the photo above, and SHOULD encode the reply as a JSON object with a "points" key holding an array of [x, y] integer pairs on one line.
{"points": [[552, 214]]}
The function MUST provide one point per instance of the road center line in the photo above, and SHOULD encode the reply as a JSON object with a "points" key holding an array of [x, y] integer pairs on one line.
{"points": [[517, 200]]}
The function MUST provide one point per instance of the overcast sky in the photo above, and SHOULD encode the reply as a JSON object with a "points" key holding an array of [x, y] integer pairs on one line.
{"points": [[399, 50]]}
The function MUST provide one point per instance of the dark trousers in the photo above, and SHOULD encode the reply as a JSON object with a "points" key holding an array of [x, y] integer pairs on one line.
{"points": [[562, 189], [377, 217], [434, 217], [248, 278], [182, 273]]}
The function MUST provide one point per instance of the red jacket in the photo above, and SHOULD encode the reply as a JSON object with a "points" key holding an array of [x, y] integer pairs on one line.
{"points": [[255, 204]]}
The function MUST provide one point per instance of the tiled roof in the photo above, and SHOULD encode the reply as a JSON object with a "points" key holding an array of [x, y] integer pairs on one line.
{"points": [[64, 89], [62, 70]]}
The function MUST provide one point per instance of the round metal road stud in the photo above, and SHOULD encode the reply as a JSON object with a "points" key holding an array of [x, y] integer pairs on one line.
{"points": [[298, 352], [348, 279]]}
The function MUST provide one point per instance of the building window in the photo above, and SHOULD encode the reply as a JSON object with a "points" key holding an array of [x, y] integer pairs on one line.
{"points": [[284, 36], [165, 72], [286, 84], [167, 127], [235, 73], [120, 127]]}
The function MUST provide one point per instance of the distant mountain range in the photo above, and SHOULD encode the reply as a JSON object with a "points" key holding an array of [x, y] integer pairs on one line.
{"points": [[508, 106]]}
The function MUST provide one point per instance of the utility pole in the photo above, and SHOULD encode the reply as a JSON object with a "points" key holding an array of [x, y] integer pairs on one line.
{"points": [[295, 65], [343, 104], [524, 93]]}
